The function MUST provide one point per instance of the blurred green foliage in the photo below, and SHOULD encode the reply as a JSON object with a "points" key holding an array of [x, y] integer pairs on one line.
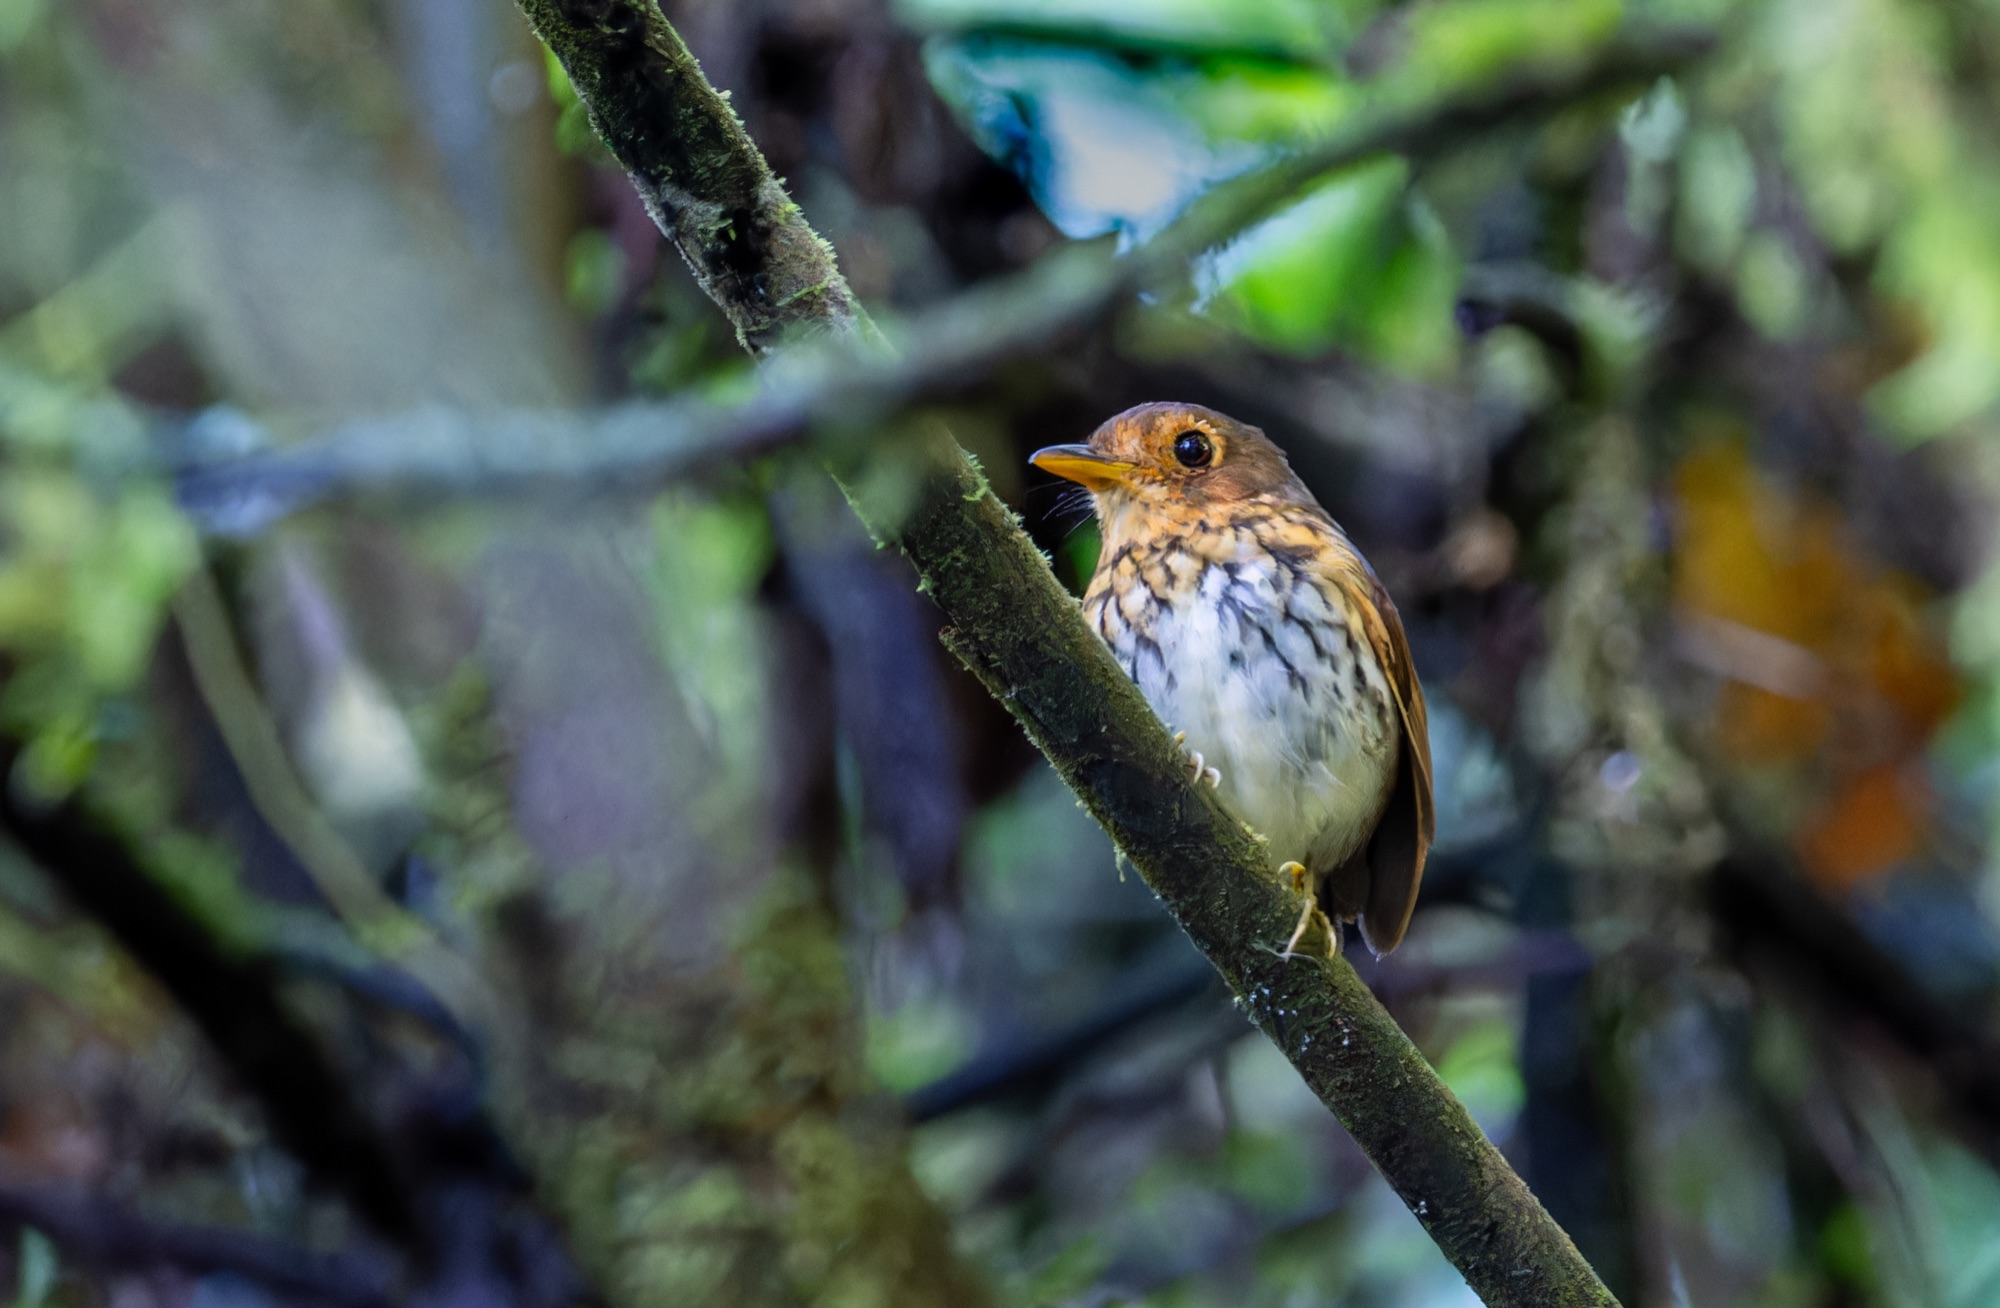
{"points": [[1112, 142], [1356, 262], [37, 1262]]}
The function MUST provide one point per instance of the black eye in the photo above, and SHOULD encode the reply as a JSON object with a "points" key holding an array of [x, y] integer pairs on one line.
{"points": [[1192, 449]]}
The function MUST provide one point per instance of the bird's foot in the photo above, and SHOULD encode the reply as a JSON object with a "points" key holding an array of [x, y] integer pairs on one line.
{"points": [[1309, 911], [1213, 776], [1202, 772]]}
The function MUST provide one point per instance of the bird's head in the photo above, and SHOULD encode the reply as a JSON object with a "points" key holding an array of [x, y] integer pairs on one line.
{"points": [[1174, 458]]}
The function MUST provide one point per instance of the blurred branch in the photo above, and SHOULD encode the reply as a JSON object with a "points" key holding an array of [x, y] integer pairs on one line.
{"points": [[1024, 637], [848, 382], [280, 798], [1037, 1065], [1773, 919], [636, 446], [232, 998], [104, 1235]]}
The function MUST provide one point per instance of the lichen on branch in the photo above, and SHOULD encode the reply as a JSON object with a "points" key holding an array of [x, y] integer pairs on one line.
{"points": [[704, 182]]}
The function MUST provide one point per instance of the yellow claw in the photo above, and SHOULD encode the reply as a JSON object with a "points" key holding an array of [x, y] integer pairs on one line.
{"points": [[1302, 887]]}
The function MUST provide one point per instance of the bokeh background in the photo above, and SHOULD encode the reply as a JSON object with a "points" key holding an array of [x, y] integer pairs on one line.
{"points": [[623, 899]]}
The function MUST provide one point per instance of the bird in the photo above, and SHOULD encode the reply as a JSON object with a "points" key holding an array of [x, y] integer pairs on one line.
{"points": [[1261, 636]]}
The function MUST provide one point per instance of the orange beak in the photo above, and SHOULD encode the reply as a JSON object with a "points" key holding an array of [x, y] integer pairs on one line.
{"points": [[1082, 465]]}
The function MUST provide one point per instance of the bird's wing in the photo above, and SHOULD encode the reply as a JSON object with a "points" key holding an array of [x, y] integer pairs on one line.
{"points": [[1402, 839]]}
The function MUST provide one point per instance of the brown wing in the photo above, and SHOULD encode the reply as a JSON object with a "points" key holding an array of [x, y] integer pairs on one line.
{"points": [[1402, 839]]}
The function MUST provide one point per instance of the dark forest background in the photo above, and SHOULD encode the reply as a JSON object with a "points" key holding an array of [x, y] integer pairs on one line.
{"points": [[621, 897]]}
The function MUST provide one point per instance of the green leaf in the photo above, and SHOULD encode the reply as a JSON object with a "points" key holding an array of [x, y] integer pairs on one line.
{"points": [[1718, 196], [1482, 1067], [1104, 144], [1473, 42], [1354, 263], [1289, 29], [38, 1269]]}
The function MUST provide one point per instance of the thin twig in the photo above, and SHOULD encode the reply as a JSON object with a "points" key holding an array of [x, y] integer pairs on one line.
{"points": [[251, 738], [104, 1235]]}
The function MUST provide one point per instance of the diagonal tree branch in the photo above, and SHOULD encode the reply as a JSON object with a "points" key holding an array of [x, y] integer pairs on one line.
{"points": [[1023, 636]]}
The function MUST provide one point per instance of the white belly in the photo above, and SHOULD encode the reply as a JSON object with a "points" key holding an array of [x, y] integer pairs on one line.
{"points": [[1272, 692]]}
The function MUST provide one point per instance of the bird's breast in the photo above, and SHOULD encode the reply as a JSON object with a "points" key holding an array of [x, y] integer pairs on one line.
{"points": [[1255, 658]]}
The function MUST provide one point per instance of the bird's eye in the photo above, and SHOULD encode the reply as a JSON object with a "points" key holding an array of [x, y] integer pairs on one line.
{"points": [[1192, 450]]}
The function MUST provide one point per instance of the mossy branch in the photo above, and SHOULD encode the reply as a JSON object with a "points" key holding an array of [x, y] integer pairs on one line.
{"points": [[1024, 637], [703, 180]]}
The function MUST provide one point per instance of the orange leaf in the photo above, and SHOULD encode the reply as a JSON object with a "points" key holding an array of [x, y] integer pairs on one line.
{"points": [[1872, 823]]}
